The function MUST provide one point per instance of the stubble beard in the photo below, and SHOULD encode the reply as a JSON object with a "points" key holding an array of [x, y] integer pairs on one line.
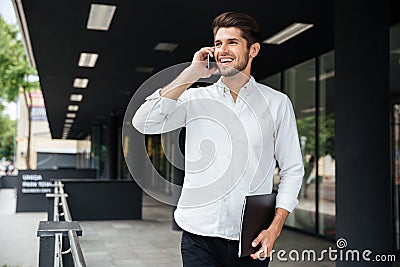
{"points": [[227, 71]]}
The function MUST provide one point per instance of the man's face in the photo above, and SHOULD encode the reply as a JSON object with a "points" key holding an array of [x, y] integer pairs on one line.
{"points": [[231, 52]]}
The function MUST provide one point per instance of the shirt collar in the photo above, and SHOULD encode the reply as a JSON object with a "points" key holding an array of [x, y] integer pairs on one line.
{"points": [[248, 88]]}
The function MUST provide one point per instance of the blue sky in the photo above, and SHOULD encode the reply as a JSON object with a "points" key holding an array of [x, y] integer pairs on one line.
{"points": [[8, 14]]}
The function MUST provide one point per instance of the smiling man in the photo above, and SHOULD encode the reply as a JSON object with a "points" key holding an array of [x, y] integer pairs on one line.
{"points": [[236, 132]]}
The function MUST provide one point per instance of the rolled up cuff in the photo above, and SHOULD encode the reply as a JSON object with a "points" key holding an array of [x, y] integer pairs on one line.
{"points": [[286, 201]]}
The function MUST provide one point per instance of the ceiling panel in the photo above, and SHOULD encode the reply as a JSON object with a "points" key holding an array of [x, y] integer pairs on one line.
{"points": [[58, 35]]}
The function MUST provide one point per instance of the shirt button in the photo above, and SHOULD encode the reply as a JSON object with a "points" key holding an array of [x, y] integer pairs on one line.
{"points": [[226, 89], [224, 200]]}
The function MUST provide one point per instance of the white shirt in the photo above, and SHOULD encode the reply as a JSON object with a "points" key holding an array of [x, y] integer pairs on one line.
{"points": [[231, 151]]}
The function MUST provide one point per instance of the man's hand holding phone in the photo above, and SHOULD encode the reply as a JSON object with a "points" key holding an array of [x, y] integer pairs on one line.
{"points": [[197, 70], [203, 63], [211, 61]]}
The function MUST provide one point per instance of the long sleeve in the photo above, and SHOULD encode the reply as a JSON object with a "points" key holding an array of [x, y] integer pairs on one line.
{"points": [[159, 114], [288, 155]]}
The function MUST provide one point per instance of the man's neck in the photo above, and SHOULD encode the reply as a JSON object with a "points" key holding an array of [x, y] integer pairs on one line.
{"points": [[236, 82]]}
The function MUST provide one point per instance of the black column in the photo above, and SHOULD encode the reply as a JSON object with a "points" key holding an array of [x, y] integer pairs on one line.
{"points": [[363, 186], [112, 142]]}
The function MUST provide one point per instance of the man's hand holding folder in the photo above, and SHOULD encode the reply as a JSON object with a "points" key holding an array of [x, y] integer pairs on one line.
{"points": [[268, 236], [261, 225]]}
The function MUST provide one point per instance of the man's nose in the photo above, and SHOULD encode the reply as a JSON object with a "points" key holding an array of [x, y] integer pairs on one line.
{"points": [[223, 48]]}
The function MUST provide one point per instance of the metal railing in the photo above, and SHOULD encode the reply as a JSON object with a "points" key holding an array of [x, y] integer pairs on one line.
{"points": [[75, 248], [58, 229]]}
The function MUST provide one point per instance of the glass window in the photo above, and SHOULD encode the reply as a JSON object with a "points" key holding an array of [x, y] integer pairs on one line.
{"points": [[162, 152], [99, 150], [83, 154], [122, 168], [395, 89], [396, 172], [273, 81], [326, 146], [300, 87]]}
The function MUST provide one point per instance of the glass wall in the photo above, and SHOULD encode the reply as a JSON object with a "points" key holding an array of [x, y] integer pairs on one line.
{"points": [[164, 150], [313, 103], [98, 151], [299, 85], [326, 146], [396, 171], [274, 81], [83, 154], [395, 89], [122, 168], [157, 157]]}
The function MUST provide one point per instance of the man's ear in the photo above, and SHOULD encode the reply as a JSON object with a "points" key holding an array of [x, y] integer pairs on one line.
{"points": [[254, 49]]}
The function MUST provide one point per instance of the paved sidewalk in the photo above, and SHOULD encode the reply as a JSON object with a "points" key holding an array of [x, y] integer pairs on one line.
{"points": [[152, 242], [149, 242], [19, 246]]}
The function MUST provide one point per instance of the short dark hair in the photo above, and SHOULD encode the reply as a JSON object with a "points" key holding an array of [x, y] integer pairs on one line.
{"points": [[248, 26]]}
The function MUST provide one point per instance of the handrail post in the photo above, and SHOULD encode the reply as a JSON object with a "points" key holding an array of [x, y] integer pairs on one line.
{"points": [[58, 250], [53, 233]]}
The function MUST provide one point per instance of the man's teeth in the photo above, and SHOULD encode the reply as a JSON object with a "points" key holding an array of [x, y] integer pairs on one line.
{"points": [[226, 60]]}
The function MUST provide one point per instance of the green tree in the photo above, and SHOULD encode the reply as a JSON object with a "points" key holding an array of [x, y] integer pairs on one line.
{"points": [[326, 140], [6, 136], [306, 127], [14, 71]]}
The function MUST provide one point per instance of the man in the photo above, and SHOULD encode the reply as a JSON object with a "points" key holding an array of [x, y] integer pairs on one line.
{"points": [[236, 131]]}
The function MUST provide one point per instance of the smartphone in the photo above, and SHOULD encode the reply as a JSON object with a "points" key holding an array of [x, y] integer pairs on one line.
{"points": [[210, 62]]}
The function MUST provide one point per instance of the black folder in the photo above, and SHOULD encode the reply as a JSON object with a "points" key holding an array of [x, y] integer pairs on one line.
{"points": [[257, 214]]}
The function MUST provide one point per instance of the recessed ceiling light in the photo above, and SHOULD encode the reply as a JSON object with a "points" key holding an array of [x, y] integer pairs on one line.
{"points": [[168, 47], [80, 82], [395, 51], [145, 69], [288, 33], [73, 107], [76, 97], [67, 125], [69, 121], [100, 17], [71, 115], [88, 60], [323, 76]]}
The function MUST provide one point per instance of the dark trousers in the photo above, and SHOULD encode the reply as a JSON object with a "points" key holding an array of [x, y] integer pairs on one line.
{"points": [[203, 251]]}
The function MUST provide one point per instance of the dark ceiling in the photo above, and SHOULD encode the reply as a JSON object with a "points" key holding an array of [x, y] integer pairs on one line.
{"points": [[58, 35]]}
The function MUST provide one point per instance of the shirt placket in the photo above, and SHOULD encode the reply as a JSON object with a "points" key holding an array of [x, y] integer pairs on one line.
{"points": [[237, 108]]}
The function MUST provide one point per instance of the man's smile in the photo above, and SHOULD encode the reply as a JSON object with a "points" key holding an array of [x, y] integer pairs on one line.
{"points": [[226, 60]]}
